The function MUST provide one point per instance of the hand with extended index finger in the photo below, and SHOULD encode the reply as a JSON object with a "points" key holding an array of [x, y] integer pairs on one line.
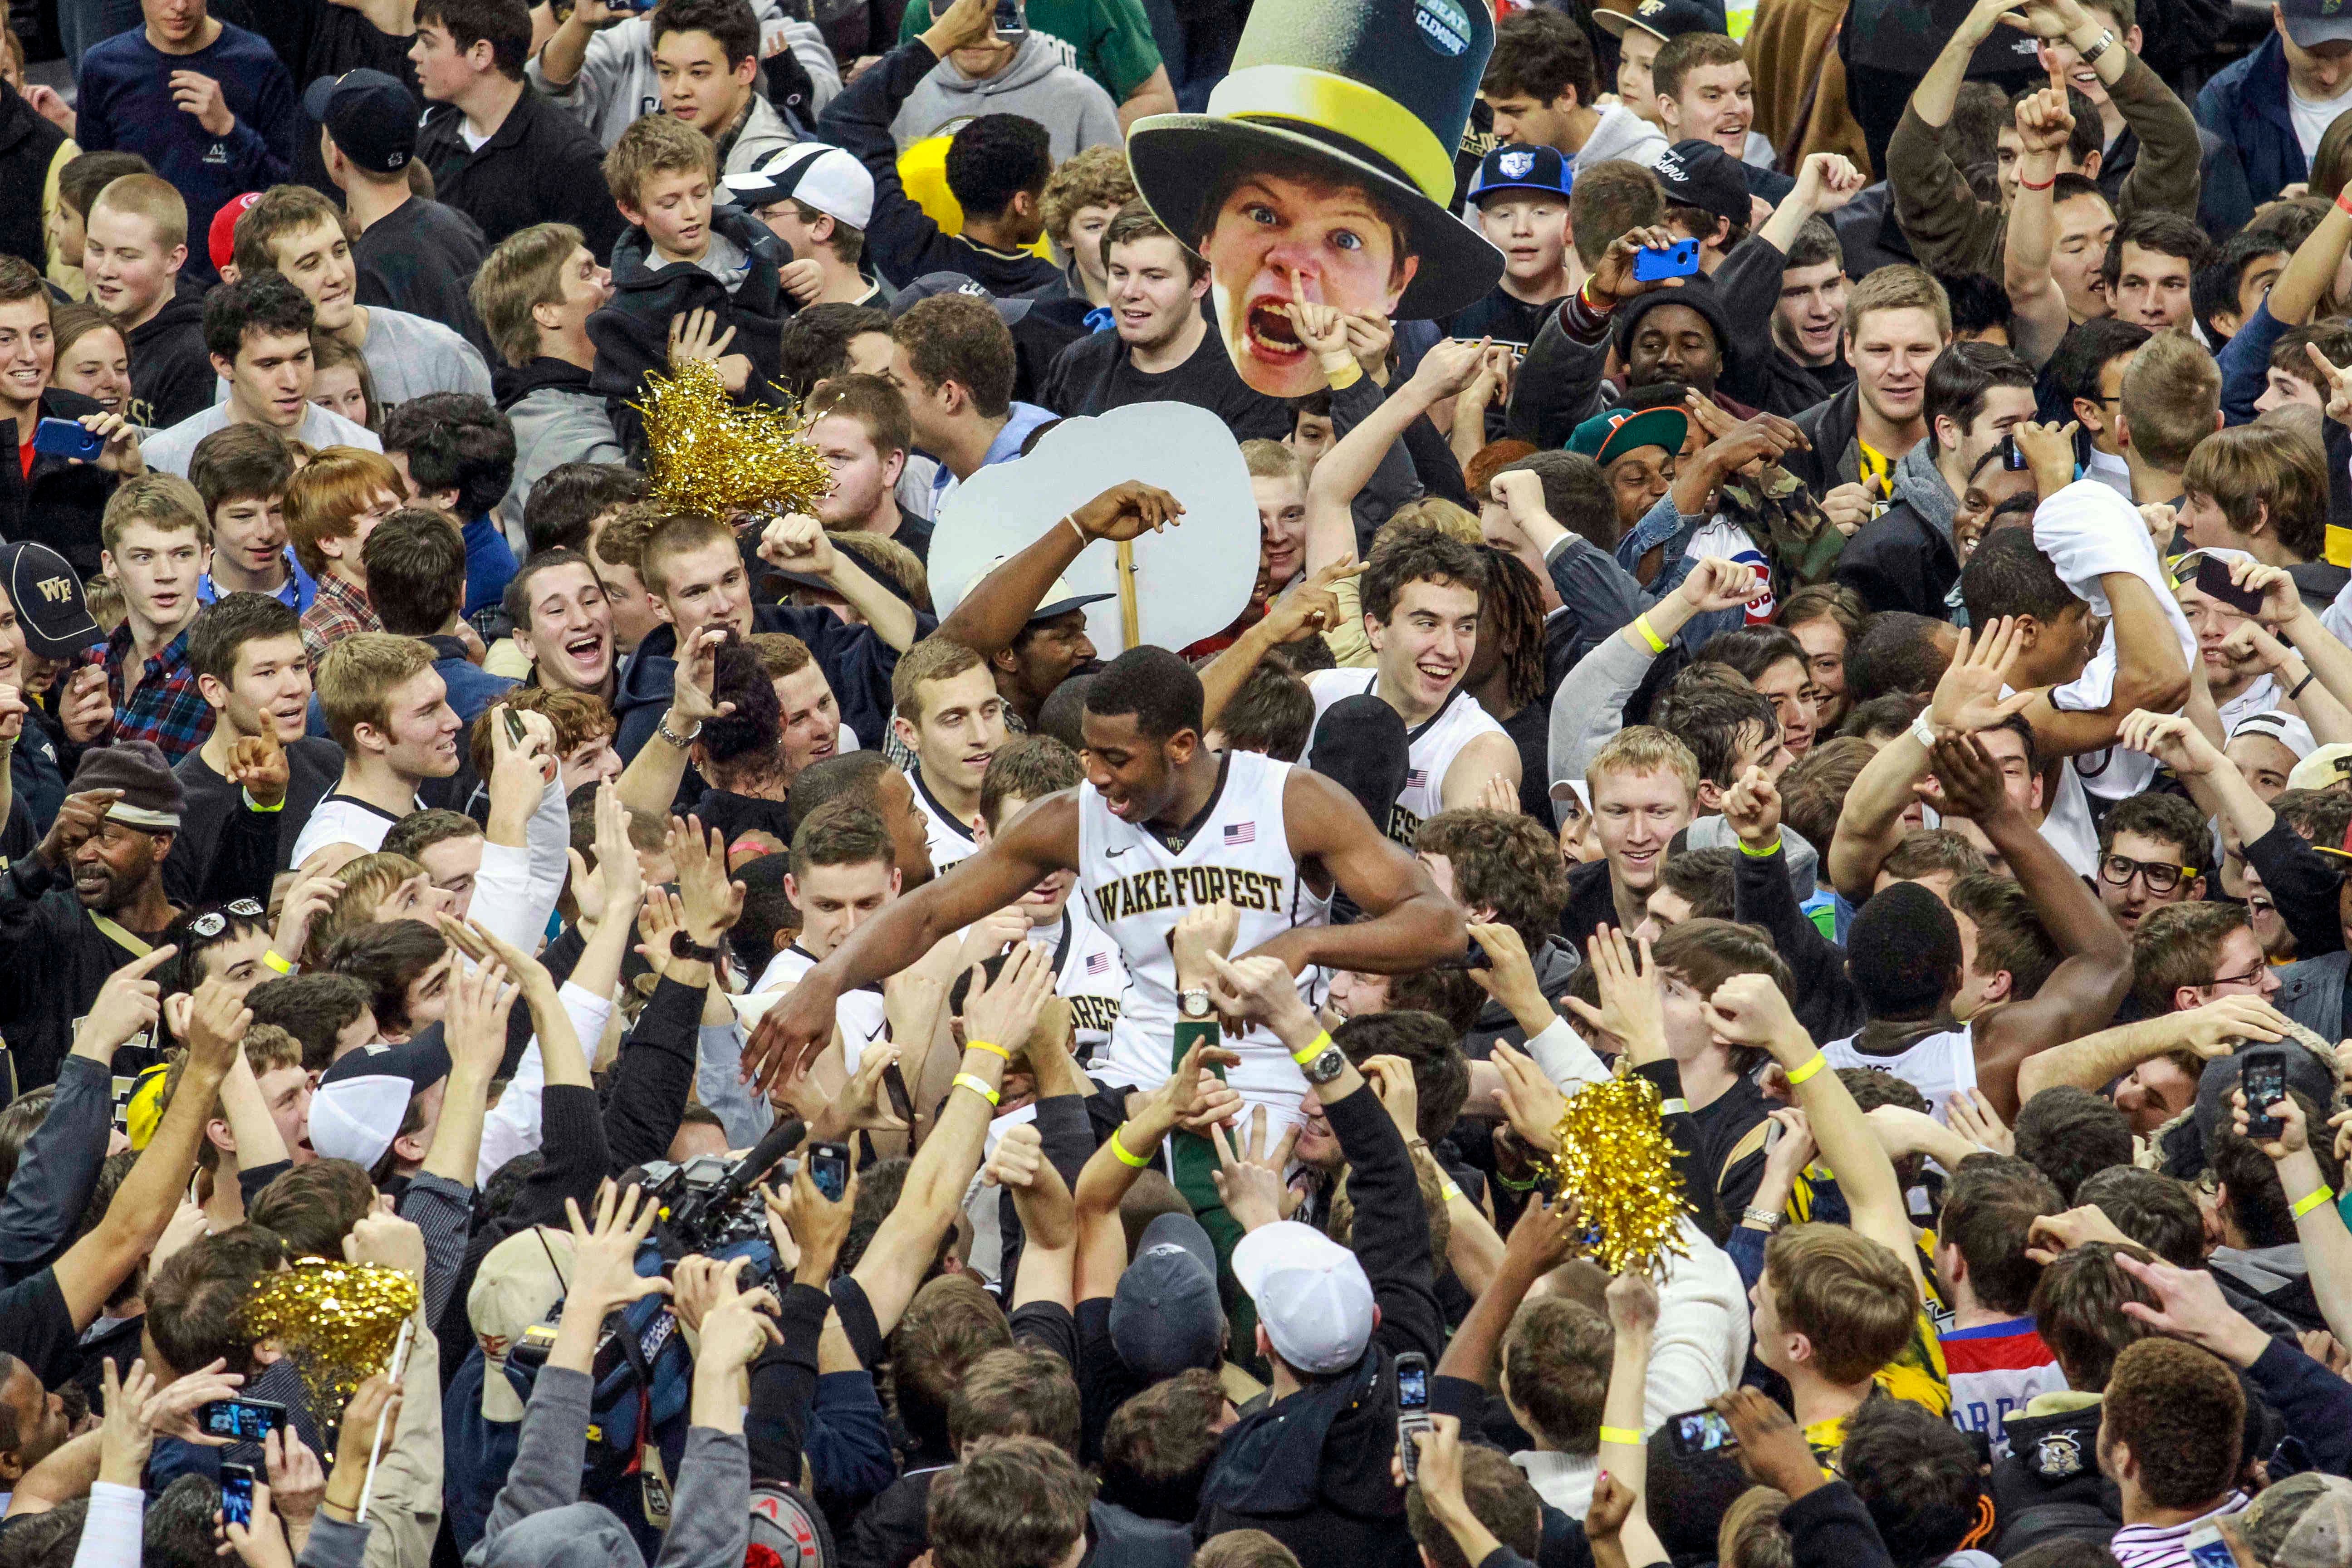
{"points": [[1251, 1182], [2339, 383]]}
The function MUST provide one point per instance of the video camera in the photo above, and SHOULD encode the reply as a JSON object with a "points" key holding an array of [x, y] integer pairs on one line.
{"points": [[706, 1204]]}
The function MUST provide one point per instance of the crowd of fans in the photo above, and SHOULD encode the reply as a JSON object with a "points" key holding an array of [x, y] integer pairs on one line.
{"points": [[860, 1087]]}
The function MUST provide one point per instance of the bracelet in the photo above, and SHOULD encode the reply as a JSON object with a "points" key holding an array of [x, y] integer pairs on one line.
{"points": [[1767, 852], [270, 960], [990, 1047], [1922, 731], [2107, 41], [1675, 1106], [1447, 1190], [1083, 539], [1806, 1069], [1770, 1220], [965, 1080], [1313, 1048], [2025, 184], [2309, 676], [1629, 1435], [1346, 377], [1584, 298], [2343, 200], [2312, 1200], [253, 805], [661, 727], [1510, 1184], [1119, 1149], [1649, 633]]}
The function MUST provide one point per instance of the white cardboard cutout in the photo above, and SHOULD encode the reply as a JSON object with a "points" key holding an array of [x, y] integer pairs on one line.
{"points": [[1191, 579]]}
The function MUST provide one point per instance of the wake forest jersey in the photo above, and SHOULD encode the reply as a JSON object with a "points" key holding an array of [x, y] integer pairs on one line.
{"points": [[1435, 742], [858, 1015], [1088, 973], [1138, 882], [951, 841]]}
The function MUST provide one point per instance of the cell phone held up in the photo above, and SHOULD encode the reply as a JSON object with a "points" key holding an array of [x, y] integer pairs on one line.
{"points": [[1698, 1432], [67, 438], [1012, 20], [2213, 580], [2263, 1080], [1412, 1408], [236, 1495], [241, 1420], [829, 1169], [1679, 259]]}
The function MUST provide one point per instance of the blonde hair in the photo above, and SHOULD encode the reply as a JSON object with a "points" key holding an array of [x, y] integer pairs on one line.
{"points": [[1898, 288], [658, 144], [356, 679], [1271, 460], [1435, 513], [161, 500], [888, 558], [152, 198], [1644, 749], [367, 882], [524, 272], [327, 495]]}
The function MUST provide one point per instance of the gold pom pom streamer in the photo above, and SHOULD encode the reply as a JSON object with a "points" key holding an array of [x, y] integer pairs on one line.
{"points": [[712, 456], [1616, 1160], [338, 1321]]}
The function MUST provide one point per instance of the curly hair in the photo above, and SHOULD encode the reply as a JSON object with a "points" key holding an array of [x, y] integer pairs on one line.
{"points": [[1417, 555], [1505, 862], [2182, 1412]]}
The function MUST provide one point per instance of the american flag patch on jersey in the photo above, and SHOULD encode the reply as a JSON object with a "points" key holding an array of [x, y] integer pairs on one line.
{"points": [[1098, 964], [1417, 779], [1240, 833]]}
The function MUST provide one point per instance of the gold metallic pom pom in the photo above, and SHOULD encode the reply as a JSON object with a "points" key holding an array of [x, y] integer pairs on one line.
{"points": [[338, 1321], [1616, 1160], [719, 459]]}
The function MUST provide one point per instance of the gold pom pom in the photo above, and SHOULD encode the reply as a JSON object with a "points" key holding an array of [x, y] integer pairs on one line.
{"points": [[338, 1321], [712, 456], [1616, 1160]]}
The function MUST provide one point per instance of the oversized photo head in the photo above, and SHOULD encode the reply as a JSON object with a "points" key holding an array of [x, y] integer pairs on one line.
{"points": [[1323, 172]]}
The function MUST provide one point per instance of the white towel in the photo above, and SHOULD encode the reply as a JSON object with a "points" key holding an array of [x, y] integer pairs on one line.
{"points": [[2088, 531]]}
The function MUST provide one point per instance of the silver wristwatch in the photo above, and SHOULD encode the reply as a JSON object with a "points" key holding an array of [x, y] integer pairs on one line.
{"points": [[1326, 1066], [1193, 1006]]}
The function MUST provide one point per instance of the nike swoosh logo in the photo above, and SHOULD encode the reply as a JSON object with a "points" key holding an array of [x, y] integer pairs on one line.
{"points": [[1115, 854]]}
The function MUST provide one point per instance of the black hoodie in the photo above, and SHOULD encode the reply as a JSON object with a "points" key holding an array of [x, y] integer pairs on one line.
{"points": [[171, 373], [632, 333], [60, 504]]}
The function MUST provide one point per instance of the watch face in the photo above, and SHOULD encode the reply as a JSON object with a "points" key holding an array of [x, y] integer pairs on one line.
{"points": [[1193, 1003], [1325, 1068]]}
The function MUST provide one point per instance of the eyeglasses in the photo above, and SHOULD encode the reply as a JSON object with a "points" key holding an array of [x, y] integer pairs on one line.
{"points": [[2117, 870], [2250, 977]]}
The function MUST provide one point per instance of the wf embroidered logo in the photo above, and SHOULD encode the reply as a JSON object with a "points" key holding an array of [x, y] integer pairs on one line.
{"points": [[56, 590]]}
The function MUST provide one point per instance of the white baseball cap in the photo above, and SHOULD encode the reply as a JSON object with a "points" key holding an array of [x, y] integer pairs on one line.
{"points": [[827, 178], [1311, 1295]]}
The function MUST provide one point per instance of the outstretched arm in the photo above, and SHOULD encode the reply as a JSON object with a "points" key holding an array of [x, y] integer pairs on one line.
{"points": [[991, 617], [2043, 125], [1413, 925], [1349, 465], [2096, 1060]]}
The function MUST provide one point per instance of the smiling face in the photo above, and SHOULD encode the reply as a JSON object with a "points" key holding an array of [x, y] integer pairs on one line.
{"points": [[1281, 524], [338, 390], [1277, 238], [568, 637], [250, 532], [1530, 228], [1136, 775], [317, 259], [157, 569], [1634, 816], [810, 716], [1637, 480], [1427, 642], [1811, 314], [111, 868], [27, 352], [1823, 641], [419, 740], [1716, 104], [1153, 298], [698, 84], [97, 366]]}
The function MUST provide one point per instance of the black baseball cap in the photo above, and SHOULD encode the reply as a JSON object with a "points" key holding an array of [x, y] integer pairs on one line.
{"points": [[372, 116], [1517, 166], [1009, 311], [49, 601], [1662, 19], [1703, 175]]}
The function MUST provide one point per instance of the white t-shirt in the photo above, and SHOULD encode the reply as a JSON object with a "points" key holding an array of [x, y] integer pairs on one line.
{"points": [[2312, 116]]}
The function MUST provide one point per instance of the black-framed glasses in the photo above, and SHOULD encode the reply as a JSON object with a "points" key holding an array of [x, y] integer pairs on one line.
{"points": [[2250, 977], [2162, 877]]}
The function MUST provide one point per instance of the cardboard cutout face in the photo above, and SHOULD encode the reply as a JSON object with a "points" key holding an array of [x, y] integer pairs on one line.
{"points": [[1279, 238]]}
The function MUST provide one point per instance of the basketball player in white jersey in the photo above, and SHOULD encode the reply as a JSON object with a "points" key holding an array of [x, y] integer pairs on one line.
{"points": [[1161, 825], [843, 872], [1088, 971], [1421, 612], [949, 715]]}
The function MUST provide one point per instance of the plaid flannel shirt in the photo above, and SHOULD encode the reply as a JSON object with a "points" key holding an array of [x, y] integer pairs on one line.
{"points": [[167, 709], [340, 611]]}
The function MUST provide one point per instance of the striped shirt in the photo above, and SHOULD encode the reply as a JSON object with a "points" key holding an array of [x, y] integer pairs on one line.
{"points": [[2165, 1545], [1996, 1368]]}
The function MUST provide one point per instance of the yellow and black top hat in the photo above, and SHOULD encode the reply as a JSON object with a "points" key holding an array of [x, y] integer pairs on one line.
{"points": [[1378, 88]]}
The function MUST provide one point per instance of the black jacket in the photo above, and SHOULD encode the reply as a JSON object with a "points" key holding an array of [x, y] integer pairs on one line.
{"points": [[1098, 372], [2050, 1487], [1312, 1469], [171, 369], [541, 166], [632, 333], [1827, 1005], [28, 145], [901, 240], [1830, 425], [227, 850], [59, 503], [1898, 560], [1755, 369]]}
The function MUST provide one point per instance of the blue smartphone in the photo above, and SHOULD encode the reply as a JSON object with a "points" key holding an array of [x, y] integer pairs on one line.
{"points": [[67, 438], [236, 1495], [1679, 259]]}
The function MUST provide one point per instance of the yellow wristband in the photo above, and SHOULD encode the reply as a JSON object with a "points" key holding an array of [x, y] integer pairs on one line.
{"points": [[1770, 850], [965, 1080], [992, 1048], [2312, 1200], [1346, 377], [1120, 1150], [1312, 1049], [1447, 1190], [1806, 1069], [253, 805], [271, 960], [1625, 1435], [1649, 633]]}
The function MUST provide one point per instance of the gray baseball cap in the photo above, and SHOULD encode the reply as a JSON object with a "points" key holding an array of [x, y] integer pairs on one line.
{"points": [[2313, 22], [1165, 1316]]}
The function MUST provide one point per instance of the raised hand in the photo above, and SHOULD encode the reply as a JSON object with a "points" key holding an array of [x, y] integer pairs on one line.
{"points": [[713, 901], [2338, 382], [257, 764], [1613, 278], [1716, 584], [129, 1002], [1250, 1182], [1322, 328], [78, 820], [86, 708], [2172, 740], [2216, 1029], [1971, 779], [218, 1023], [1129, 509], [1312, 607], [2294, 1133], [1972, 1115], [1827, 181], [1260, 987], [1450, 365], [798, 542], [1749, 1010], [1550, 1231], [1752, 807], [1967, 695], [1632, 999], [2049, 452], [1531, 1102], [1004, 1013], [2043, 121], [604, 1255]]}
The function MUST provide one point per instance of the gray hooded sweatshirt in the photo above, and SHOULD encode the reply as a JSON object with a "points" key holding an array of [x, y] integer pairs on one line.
{"points": [[1071, 105], [617, 83], [1920, 484], [1622, 133]]}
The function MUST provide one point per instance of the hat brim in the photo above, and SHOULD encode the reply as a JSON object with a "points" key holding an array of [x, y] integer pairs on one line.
{"points": [[1064, 606], [1483, 192], [1615, 24], [53, 645], [2307, 31], [1666, 427], [316, 97], [1177, 159]]}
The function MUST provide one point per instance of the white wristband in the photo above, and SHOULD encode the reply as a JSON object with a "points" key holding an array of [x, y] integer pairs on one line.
{"points": [[1922, 731]]}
